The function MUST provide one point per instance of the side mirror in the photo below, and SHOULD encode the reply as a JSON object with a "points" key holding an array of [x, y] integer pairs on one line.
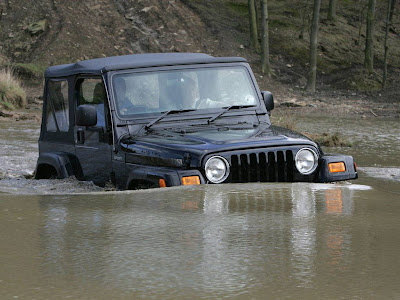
{"points": [[86, 115], [268, 100]]}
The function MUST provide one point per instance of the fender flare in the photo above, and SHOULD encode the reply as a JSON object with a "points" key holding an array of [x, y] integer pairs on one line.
{"points": [[65, 164], [172, 177], [152, 175]]}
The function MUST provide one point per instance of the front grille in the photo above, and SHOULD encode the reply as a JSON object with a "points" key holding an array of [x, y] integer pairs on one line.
{"points": [[271, 166]]}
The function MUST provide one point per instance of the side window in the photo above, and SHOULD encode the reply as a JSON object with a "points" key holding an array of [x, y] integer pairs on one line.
{"points": [[91, 91], [57, 106]]}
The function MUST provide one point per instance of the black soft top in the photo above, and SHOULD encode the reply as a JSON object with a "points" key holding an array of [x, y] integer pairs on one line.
{"points": [[101, 65]]}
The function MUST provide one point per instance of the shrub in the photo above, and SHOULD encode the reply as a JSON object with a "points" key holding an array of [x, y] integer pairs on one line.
{"points": [[11, 92]]}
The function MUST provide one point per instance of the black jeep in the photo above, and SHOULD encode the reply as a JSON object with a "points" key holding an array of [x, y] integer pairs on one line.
{"points": [[160, 120]]}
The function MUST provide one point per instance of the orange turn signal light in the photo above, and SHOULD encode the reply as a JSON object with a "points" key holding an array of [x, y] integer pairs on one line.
{"points": [[337, 167], [162, 183], [190, 180]]}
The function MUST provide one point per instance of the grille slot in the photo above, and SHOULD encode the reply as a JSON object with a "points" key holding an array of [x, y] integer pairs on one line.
{"points": [[272, 166]]}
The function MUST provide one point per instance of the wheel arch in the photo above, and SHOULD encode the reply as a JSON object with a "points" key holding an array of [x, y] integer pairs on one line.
{"points": [[63, 164]]}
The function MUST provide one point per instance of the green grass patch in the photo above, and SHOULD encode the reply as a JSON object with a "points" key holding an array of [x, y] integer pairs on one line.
{"points": [[281, 23], [365, 82], [239, 8], [30, 70], [7, 105]]}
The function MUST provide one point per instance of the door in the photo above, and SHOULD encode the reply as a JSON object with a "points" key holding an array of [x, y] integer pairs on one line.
{"points": [[93, 145]]}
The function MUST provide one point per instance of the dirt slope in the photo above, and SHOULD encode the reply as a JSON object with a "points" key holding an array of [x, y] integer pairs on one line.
{"points": [[76, 30], [86, 29]]}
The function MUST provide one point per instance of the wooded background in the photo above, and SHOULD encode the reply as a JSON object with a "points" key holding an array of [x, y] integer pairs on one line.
{"points": [[368, 8], [335, 47]]}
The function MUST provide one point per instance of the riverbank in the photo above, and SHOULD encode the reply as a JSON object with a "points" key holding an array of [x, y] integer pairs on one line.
{"points": [[286, 104]]}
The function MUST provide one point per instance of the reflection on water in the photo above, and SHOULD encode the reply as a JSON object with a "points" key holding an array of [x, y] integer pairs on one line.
{"points": [[211, 241], [303, 231], [282, 240]]}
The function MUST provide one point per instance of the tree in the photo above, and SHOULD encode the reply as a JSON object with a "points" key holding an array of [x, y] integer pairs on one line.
{"points": [[369, 41], [265, 64], [304, 19], [361, 20], [386, 47], [332, 10], [392, 5], [312, 74], [254, 44]]}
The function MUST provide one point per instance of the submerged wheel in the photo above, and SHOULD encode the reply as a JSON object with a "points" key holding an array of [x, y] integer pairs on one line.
{"points": [[46, 172]]}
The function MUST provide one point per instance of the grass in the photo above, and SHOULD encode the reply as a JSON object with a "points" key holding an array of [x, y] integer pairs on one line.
{"points": [[12, 94], [329, 140], [30, 70], [239, 8], [287, 120]]}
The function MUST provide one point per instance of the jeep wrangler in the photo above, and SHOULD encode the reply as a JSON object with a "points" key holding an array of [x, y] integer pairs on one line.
{"points": [[170, 119]]}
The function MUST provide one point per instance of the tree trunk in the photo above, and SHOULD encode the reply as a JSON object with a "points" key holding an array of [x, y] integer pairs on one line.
{"points": [[257, 10], [361, 22], [254, 44], [332, 10], [369, 41], [312, 74], [265, 64], [303, 19], [386, 47], [393, 5]]}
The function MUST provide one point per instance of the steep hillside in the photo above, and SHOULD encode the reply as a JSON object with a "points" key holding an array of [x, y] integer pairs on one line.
{"points": [[94, 28], [36, 34]]}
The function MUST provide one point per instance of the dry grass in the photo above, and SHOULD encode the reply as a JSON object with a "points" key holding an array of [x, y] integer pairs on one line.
{"points": [[288, 120], [11, 92], [329, 140], [284, 118]]}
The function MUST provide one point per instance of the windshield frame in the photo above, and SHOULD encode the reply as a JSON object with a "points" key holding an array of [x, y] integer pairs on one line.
{"points": [[200, 113]]}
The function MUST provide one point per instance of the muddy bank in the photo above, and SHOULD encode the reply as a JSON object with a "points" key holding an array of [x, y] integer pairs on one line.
{"points": [[321, 106], [288, 100], [18, 115]]}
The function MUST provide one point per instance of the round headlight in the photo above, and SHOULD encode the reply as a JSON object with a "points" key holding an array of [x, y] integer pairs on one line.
{"points": [[217, 169], [306, 161]]}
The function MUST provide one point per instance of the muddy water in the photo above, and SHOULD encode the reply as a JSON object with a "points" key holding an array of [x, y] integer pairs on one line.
{"points": [[18, 148], [307, 241]]}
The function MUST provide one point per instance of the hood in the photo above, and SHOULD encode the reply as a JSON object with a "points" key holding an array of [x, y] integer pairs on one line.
{"points": [[173, 147]]}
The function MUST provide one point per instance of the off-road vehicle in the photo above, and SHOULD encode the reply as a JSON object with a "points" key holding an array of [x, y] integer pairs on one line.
{"points": [[161, 120]]}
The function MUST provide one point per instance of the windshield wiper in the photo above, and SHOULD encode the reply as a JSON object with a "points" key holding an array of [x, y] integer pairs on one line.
{"points": [[228, 108], [166, 113]]}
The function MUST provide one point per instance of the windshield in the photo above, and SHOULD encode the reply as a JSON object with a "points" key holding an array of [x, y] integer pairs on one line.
{"points": [[203, 88]]}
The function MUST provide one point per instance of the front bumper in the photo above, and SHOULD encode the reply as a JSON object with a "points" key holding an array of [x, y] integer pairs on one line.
{"points": [[282, 170], [325, 175]]}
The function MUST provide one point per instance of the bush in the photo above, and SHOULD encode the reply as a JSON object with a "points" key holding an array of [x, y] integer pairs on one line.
{"points": [[11, 92]]}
